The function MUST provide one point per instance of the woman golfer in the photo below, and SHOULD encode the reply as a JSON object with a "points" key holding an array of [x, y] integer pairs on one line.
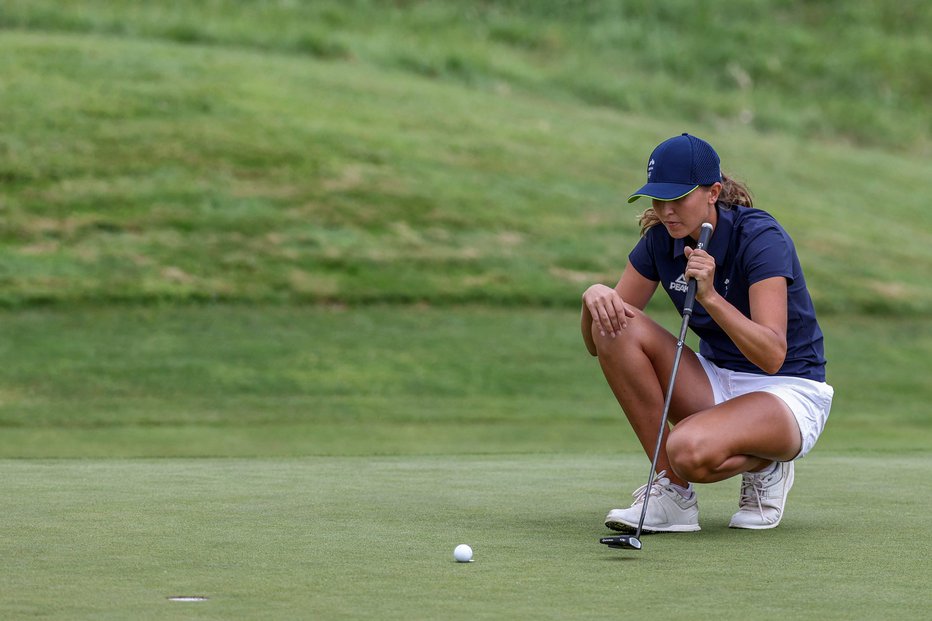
{"points": [[754, 398]]}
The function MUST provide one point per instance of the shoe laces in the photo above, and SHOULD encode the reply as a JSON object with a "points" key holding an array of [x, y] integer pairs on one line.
{"points": [[752, 490], [659, 483]]}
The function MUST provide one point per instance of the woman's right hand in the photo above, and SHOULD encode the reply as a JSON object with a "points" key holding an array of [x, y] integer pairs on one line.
{"points": [[608, 310]]}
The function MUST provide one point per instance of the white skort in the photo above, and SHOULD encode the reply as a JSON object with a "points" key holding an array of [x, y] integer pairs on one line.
{"points": [[809, 401]]}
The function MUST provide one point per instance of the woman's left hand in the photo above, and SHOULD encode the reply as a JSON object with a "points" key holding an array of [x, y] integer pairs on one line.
{"points": [[701, 266]]}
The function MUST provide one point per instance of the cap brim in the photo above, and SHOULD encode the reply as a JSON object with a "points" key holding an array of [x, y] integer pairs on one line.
{"points": [[663, 191]]}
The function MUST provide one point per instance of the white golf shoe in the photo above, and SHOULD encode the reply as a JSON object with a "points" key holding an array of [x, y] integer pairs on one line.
{"points": [[763, 496], [667, 512]]}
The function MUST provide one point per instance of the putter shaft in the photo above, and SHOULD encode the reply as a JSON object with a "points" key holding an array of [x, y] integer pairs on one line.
{"points": [[633, 542]]}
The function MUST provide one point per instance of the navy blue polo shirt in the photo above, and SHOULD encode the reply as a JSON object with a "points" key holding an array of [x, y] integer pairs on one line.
{"points": [[748, 245]]}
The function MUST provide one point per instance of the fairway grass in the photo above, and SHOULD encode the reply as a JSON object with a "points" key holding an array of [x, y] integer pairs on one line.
{"points": [[271, 381], [372, 538]]}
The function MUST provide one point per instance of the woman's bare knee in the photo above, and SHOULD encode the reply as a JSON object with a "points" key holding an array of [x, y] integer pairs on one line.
{"points": [[635, 335], [689, 456], [608, 346]]}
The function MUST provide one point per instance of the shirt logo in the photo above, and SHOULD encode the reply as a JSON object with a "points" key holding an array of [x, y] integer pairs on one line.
{"points": [[679, 284]]}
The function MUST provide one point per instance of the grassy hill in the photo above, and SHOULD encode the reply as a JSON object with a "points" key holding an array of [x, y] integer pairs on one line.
{"points": [[435, 151], [831, 68]]}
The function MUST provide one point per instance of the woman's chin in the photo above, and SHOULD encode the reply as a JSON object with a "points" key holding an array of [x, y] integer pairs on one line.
{"points": [[676, 230]]}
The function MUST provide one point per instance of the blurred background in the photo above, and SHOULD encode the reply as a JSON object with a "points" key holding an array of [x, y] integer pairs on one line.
{"points": [[361, 227]]}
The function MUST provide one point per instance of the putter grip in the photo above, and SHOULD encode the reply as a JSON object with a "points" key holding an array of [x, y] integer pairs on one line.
{"points": [[704, 236]]}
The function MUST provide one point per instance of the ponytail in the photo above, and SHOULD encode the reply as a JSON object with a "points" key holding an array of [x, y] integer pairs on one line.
{"points": [[734, 192]]}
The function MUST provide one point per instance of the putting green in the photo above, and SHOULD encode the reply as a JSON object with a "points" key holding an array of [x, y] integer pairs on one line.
{"points": [[357, 537]]}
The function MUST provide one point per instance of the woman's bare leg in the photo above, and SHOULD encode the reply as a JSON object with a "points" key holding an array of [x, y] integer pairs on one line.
{"points": [[637, 365], [742, 434]]}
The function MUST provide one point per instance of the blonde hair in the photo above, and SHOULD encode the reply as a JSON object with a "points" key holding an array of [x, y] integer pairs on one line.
{"points": [[734, 192]]}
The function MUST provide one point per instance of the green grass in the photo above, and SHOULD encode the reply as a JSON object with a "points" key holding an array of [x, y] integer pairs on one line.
{"points": [[832, 69], [211, 210], [352, 538], [137, 167], [243, 381]]}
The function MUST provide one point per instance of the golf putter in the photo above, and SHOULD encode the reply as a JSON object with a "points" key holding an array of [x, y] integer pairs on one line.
{"points": [[633, 542]]}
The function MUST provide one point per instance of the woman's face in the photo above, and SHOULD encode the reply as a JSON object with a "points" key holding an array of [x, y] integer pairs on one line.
{"points": [[685, 216]]}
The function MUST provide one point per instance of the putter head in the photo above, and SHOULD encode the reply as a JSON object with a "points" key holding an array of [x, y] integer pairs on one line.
{"points": [[623, 542]]}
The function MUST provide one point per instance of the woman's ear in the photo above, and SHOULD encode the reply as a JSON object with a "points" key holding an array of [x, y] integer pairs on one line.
{"points": [[714, 191]]}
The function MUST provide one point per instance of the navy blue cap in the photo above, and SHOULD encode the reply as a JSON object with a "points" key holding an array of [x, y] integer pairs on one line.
{"points": [[677, 167]]}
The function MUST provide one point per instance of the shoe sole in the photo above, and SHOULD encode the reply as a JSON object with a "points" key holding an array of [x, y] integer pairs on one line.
{"points": [[625, 527], [756, 527]]}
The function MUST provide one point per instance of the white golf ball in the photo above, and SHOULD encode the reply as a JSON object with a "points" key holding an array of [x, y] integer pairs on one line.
{"points": [[462, 553]]}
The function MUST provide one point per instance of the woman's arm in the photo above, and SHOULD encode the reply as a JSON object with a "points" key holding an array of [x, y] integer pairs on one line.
{"points": [[762, 338], [608, 308]]}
